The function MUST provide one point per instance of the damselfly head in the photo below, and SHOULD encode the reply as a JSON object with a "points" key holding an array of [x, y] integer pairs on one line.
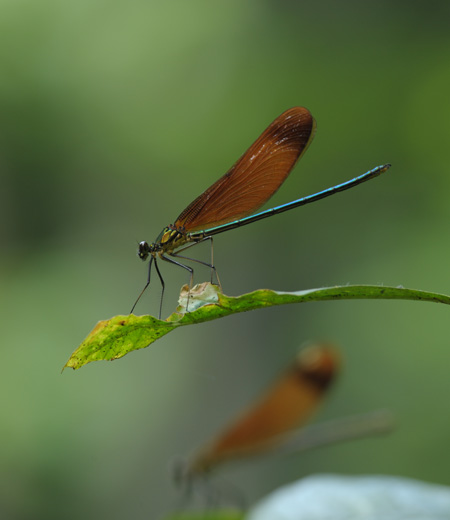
{"points": [[144, 250]]}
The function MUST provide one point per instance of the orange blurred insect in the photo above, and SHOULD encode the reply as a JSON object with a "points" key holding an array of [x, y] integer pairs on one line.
{"points": [[288, 404]]}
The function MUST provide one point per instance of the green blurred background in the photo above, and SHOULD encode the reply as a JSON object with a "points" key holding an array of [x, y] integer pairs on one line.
{"points": [[115, 115]]}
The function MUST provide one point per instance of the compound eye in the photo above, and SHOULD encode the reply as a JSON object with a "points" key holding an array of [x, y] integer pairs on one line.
{"points": [[143, 250]]}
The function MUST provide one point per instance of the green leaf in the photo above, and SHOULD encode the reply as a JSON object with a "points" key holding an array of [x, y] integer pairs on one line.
{"points": [[112, 339], [207, 515]]}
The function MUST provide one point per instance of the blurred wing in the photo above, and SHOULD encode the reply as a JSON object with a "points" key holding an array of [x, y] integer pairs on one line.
{"points": [[288, 404], [256, 176]]}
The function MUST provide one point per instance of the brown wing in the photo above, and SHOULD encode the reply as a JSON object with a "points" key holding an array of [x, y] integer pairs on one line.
{"points": [[256, 176], [287, 404]]}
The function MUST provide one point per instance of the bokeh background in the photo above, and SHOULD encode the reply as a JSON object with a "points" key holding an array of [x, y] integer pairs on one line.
{"points": [[115, 115]]}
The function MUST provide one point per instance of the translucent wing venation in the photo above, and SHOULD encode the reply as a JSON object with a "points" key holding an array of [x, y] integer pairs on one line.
{"points": [[256, 176]]}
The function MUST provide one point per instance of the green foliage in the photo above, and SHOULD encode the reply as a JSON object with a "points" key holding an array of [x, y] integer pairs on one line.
{"points": [[112, 339], [216, 515]]}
